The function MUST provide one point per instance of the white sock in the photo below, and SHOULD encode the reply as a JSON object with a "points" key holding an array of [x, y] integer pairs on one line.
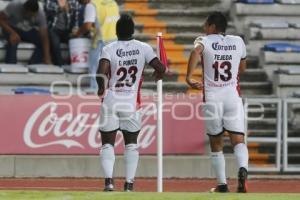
{"points": [[218, 164], [241, 154], [107, 158], [131, 157]]}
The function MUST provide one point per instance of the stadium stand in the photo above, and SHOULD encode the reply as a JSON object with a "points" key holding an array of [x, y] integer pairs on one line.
{"points": [[271, 30]]}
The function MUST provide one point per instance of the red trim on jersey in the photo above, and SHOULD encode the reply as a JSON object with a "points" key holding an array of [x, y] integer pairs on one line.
{"points": [[138, 97], [108, 79], [203, 90], [238, 88]]}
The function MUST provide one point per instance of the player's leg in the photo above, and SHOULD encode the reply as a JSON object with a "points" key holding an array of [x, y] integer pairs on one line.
{"points": [[234, 123], [131, 158], [218, 162], [109, 124], [107, 157], [242, 157], [213, 114], [130, 124]]}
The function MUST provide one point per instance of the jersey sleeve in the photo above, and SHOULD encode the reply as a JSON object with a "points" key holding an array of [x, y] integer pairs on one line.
{"points": [[105, 54], [149, 53], [90, 14], [243, 50], [199, 41]]}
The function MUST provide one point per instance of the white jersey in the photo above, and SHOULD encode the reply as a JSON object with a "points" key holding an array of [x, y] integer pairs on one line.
{"points": [[221, 59], [127, 61]]}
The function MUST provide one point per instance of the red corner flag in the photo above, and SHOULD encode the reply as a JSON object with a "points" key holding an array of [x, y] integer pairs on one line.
{"points": [[162, 52]]}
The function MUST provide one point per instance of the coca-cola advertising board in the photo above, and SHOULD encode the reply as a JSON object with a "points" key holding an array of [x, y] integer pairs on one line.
{"points": [[43, 124]]}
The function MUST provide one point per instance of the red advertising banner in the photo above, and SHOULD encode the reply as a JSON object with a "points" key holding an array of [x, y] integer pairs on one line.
{"points": [[42, 124]]}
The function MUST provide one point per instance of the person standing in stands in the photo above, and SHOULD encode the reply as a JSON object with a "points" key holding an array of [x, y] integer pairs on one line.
{"points": [[63, 19], [100, 18], [223, 58], [24, 20]]}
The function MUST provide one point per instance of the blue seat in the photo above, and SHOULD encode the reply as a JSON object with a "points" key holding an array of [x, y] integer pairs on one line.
{"points": [[282, 47], [23, 90], [257, 1]]}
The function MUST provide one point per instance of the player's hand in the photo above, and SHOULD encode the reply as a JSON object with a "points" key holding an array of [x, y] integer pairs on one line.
{"points": [[100, 92], [158, 76], [14, 38], [194, 84]]}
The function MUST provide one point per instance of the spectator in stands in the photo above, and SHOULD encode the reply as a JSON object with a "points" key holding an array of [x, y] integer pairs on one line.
{"points": [[100, 18], [63, 19], [223, 58], [24, 20]]}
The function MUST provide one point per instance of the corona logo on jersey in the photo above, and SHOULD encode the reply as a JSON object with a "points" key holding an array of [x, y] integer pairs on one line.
{"points": [[121, 53], [216, 46]]}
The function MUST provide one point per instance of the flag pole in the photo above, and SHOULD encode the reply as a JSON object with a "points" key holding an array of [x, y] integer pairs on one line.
{"points": [[159, 127]]}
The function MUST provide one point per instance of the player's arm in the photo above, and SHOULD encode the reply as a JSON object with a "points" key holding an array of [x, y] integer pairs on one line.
{"points": [[102, 75], [243, 66], [194, 59], [159, 68]]}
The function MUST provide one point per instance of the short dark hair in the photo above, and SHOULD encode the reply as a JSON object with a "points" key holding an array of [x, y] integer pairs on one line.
{"points": [[219, 20], [125, 26], [31, 5]]}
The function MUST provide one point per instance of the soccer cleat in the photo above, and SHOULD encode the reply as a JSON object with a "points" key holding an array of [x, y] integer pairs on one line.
{"points": [[108, 185], [223, 188], [128, 187], [242, 180]]}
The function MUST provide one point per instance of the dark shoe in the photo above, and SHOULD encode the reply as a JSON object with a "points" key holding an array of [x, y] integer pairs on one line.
{"points": [[223, 188], [242, 184], [128, 187], [108, 185]]}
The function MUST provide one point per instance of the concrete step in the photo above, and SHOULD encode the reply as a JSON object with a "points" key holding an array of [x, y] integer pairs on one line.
{"points": [[253, 75], [261, 132], [261, 111], [41, 79], [256, 88], [262, 124], [273, 33], [252, 62], [266, 9]]}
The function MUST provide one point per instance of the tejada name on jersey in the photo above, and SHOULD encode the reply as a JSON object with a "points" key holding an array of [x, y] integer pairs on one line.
{"points": [[217, 46], [121, 53]]}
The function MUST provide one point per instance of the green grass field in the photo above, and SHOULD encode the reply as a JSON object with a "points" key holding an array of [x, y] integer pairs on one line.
{"points": [[43, 195]]}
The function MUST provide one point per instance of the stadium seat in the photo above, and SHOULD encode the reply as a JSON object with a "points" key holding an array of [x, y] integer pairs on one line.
{"points": [[270, 24], [257, 1], [289, 1], [292, 70], [282, 47], [48, 69], [23, 90], [13, 68]]}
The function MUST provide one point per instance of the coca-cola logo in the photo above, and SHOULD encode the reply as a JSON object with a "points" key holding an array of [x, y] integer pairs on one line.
{"points": [[49, 126]]}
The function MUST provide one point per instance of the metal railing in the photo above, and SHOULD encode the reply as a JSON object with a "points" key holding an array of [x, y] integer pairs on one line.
{"points": [[276, 140], [287, 167]]}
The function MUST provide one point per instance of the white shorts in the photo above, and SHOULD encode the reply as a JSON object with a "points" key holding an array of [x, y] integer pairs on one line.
{"points": [[113, 119], [223, 110]]}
